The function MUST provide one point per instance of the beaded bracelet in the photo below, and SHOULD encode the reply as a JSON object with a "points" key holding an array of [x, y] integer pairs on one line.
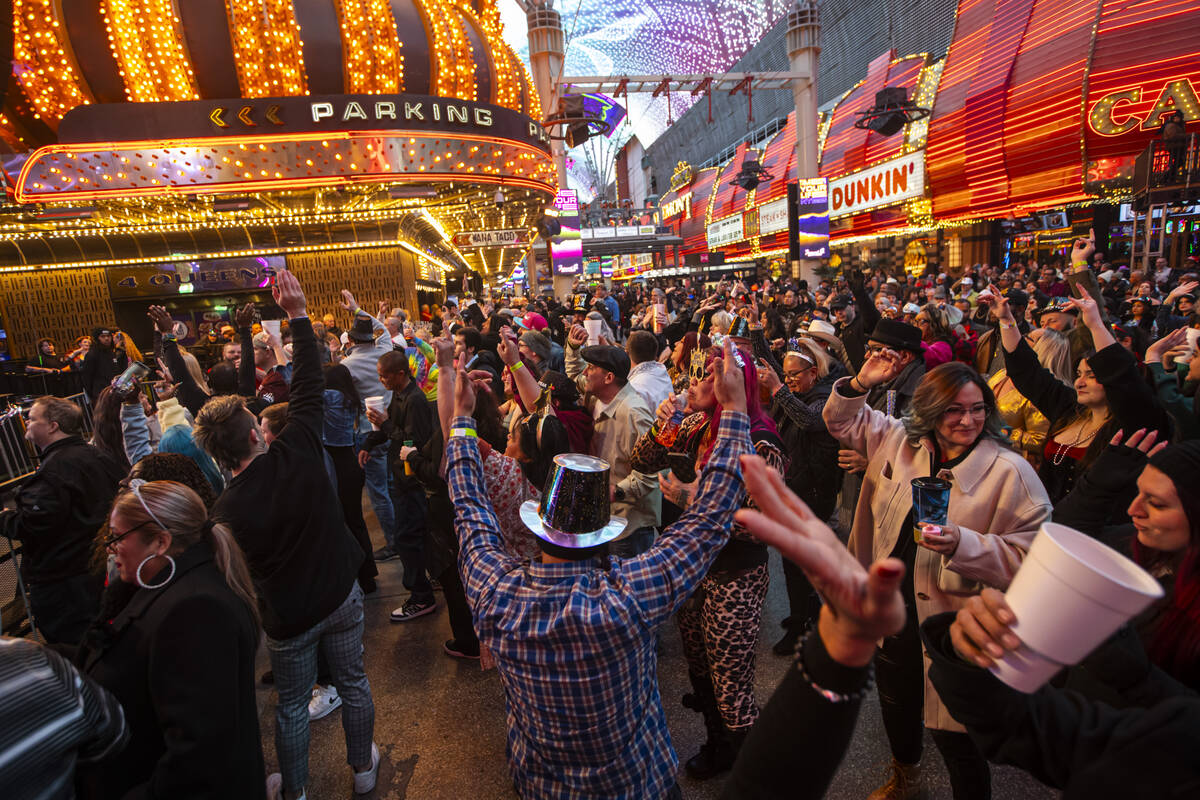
{"points": [[828, 694]]}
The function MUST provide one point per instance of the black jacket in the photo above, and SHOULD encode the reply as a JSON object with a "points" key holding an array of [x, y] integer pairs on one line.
{"points": [[285, 513], [100, 366], [1087, 749], [812, 471], [411, 417], [903, 385], [181, 661], [60, 509]]}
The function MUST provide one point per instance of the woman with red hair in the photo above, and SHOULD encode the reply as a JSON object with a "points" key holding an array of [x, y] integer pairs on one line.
{"points": [[719, 625]]}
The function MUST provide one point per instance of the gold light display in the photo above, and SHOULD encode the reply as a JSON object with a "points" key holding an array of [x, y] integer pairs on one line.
{"points": [[146, 39], [42, 66], [372, 47], [504, 68], [267, 48]]}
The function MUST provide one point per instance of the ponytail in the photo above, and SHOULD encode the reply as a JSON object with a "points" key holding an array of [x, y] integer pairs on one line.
{"points": [[232, 563]]}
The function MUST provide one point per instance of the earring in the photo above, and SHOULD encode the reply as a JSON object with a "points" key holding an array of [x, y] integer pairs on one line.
{"points": [[138, 575]]}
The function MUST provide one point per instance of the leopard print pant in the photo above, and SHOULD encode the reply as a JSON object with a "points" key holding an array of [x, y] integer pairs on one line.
{"points": [[719, 626]]}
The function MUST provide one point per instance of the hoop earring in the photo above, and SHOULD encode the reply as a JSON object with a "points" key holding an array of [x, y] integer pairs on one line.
{"points": [[138, 575]]}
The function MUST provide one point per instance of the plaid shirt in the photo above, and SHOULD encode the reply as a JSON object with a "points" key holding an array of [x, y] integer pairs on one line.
{"points": [[575, 642]]}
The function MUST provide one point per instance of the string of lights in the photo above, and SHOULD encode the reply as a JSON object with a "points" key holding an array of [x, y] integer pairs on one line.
{"points": [[146, 39], [374, 61], [267, 48], [47, 76]]}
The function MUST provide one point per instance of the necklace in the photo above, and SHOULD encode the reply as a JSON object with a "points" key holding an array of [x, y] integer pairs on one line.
{"points": [[1061, 453]]}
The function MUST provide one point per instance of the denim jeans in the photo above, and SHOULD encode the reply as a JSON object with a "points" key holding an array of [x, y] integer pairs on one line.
{"points": [[412, 525], [377, 476], [294, 662], [634, 544]]}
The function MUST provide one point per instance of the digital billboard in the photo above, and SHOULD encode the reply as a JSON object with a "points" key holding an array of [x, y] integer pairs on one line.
{"points": [[812, 217], [566, 249]]}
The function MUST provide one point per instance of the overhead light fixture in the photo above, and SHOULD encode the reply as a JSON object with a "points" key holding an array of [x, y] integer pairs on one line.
{"points": [[577, 124], [891, 112], [751, 174], [408, 192]]}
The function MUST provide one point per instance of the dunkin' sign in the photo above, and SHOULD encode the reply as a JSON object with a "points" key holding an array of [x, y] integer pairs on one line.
{"points": [[878, 186]]}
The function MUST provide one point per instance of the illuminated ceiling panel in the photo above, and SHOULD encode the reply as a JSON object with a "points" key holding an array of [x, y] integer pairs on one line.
{"points": [[655, 37]]}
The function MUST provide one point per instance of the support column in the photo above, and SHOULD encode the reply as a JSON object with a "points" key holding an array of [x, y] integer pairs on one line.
{"points": [[804, 52], [546, 55]]}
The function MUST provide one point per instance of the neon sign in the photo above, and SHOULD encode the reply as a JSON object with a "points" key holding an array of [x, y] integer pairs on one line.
{"points": [[1122, 111]]}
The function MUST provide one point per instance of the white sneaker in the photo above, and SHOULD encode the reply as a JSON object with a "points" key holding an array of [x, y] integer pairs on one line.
{"points": [[365, 781], [324, 701], [275, 787]]}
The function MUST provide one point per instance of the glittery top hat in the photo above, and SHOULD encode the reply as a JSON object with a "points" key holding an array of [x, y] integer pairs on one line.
{"points": [[740, 328], [574, 510]]}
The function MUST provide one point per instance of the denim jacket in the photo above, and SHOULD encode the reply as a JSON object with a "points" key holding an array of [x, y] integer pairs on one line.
{"points": [[338, 430]]}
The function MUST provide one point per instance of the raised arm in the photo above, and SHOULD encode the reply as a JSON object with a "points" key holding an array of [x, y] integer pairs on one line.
{"points": [[846, 413], [245, 321], [306, 401], [526, 384]]}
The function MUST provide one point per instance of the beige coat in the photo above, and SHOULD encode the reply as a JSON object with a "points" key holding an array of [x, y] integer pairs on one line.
{"points": [[996, 501]]}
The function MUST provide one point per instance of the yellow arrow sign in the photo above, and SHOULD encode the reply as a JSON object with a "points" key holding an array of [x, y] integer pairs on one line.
{"points": [[215, 116], [271, 116], [244, 116]]}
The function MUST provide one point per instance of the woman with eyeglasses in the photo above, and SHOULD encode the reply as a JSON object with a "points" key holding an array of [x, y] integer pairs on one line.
{"points": [[179, 654], [952, 431]]}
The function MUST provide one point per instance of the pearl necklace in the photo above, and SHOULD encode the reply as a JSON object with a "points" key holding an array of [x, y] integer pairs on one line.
{"points": [[1060, 454]]}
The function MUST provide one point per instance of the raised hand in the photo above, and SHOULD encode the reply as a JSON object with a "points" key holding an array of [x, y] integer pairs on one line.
{"points": [[161, 319], [1083, 249], [1166, 346], [577, 336], [443, 347], [348, 302], [861, 606], [506, 348], [881, 367], [1141, 441], [244, 317], [288, 294], [384, 308], [729, 384], [464, 396], [1087, 309], [768, 378]]}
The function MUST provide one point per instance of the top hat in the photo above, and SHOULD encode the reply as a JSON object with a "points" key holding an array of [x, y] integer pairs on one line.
{"points": [[581, 303], [740, 327], [574, 510], [897, 334], [362, 331], [1057, 305]]}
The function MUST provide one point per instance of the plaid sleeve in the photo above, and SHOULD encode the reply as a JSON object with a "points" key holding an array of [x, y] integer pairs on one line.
{"points": [[667, 574], [481, 555]]}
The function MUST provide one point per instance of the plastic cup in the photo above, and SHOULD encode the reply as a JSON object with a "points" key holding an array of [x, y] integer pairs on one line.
{"points": [[1070, 594], [375, 403], [271, 326], [931, 503], [594, 327], [660, 316]]}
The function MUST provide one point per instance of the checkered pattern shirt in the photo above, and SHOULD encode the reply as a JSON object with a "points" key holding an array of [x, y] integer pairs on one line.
{"points": [[575, 642]]}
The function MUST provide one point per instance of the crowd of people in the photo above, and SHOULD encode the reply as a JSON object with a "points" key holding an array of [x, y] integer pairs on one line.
{"points": [[575, 473]]}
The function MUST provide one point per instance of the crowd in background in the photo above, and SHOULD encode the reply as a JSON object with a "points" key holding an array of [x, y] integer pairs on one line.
{"points": [[225, 507]]}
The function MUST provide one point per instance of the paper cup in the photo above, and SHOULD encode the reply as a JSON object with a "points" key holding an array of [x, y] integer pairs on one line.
{"points": [[1193, 341], [375, 403], [660, 317], [594, 327], [1070, 594], [271, 326]]}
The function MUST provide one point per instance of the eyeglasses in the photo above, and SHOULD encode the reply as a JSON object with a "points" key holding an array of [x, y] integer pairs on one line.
{"points": [[110, 541], [955, 413], [796, 375]]}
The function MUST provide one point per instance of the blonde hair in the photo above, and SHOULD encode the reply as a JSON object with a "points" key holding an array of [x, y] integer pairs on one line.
{"points": [[813, 353], [193, 368], [1053, 350], [131, 349], [185, 517], [720, 322]]}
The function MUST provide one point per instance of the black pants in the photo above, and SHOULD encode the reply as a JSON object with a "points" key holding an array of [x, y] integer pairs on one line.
{"points": [[350, 482], [412, 525], [457, 609], [803, 600], [900, 679], [62, 610]]}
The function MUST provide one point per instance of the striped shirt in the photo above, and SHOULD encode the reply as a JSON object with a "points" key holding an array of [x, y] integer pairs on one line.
{"points": [[52, 718], [575, 642]]}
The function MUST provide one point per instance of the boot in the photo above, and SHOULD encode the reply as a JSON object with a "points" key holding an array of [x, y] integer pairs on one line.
{"points": [[903, 783], [719, 751]]}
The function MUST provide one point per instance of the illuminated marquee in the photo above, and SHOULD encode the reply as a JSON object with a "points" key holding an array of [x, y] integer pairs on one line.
{"points": [[878, 186], [1143, 107], [680, 205]]}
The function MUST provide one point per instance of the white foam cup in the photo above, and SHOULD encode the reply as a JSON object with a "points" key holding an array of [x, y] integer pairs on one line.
{"points": [[1070, 594], [375, 402], [594, 328], [1193, 341]]}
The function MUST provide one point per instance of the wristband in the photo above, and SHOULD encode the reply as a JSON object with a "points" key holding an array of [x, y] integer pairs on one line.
{"points": [[169, 337], [464, 432], [1007, 325], [516, 365], [1079, 263]]}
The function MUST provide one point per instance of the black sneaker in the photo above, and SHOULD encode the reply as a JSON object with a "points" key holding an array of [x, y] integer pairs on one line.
{"points": [[453, 649], [413, 609], [385, 553]]}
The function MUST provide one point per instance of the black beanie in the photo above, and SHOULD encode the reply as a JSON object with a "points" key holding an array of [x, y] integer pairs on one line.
{"points": [[1181, 463]]}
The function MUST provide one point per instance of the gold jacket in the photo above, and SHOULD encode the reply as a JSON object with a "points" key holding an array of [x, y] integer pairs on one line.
{"points": [[1027, 426]]}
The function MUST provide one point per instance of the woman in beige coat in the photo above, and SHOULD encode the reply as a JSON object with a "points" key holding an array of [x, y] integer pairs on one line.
{"points": [[951, 431]]}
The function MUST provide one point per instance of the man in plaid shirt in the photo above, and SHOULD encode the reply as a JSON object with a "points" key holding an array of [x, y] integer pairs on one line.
{"points": [[574, 633]]}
